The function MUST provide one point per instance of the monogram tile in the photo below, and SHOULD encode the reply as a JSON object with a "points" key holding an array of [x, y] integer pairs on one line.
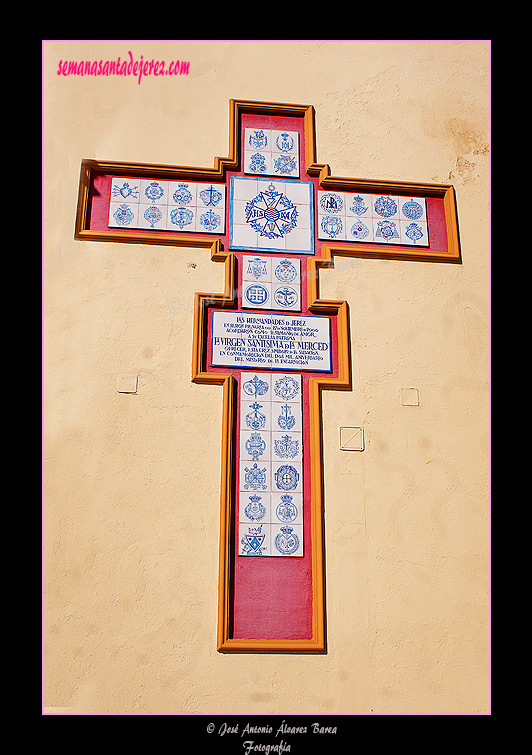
{"points": [[286, 388]]}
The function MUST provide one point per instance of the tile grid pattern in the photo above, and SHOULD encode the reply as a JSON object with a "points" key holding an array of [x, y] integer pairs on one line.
{"points": [[375, 218], [270, 506], [271, 283], [167, 205]]}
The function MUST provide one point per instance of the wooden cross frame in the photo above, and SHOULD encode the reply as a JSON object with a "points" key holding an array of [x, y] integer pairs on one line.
{"points": [[274, 217]]}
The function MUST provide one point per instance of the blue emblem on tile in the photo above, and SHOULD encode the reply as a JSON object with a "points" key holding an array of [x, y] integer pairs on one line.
{"points": [[286, 511], [386, 229], [255, 419], [154, 191], [181, 217], [284, 142], [258, 140], [257, 163], [385, 207], [257, 294], [271, 213], [255, 446], [126, 191], [286, 447], [210, 221], [210, 197], [286, 296], [253, 542], [359, 207], [359, 230], [286, 477], [286, 388], [153, 215], [412, 210], [255, 510], [285, 420], [287, 542], [414, 232], [332, 226], [285, 271], [182, 195], [255, 387], [332, 203], [123, 215], [285, 164], [255, 478]]}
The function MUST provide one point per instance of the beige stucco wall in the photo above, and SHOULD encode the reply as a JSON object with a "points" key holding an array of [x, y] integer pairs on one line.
{"points": [[131, 484]]}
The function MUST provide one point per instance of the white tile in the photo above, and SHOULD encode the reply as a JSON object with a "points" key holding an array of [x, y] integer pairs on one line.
{"points": [[385, 207], [299, 192], [286, 540], [275, 244], [287, 445], [123, 215], [286, 271], [154, 192], [256, 268], [255, 508], [255, 476], [256, 295], [256, 386], [414, 233], [286, 508], [243, 237], [299, 241], [243, 188], [238, 211], [255, 415], [286, 297], [254, 540], [125, 190], [412, 209], [304, 216]]}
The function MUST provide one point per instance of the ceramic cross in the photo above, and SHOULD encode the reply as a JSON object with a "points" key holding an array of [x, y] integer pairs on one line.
{"points": [[273, 216]]}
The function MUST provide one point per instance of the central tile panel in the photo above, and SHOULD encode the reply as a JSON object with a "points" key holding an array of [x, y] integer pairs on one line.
{"points": [[270, 499]]}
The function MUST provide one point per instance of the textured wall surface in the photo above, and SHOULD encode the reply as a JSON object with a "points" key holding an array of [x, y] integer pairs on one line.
{"points": [[131, 488]]}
